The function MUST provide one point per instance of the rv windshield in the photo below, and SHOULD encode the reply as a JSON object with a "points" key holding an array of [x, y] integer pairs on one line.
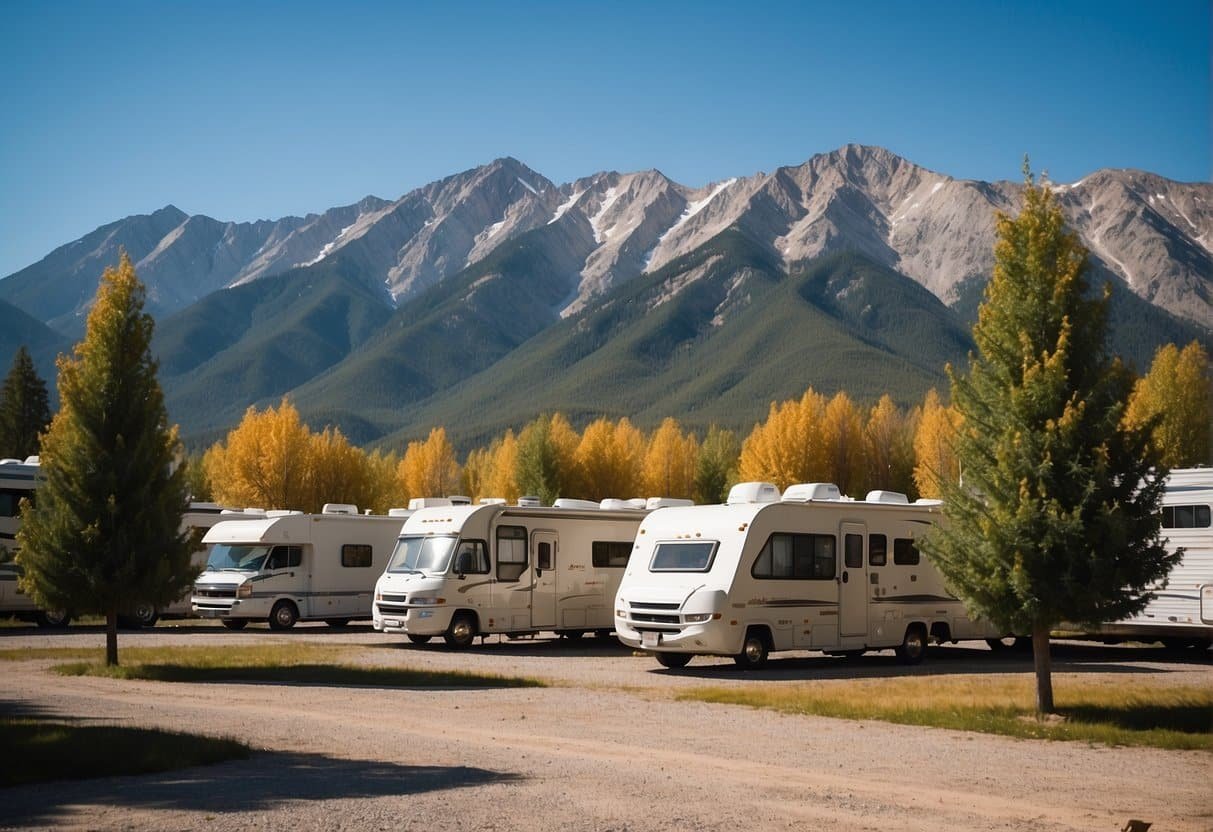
{"points": [[683, 557], [225, 557], [422, 554]]}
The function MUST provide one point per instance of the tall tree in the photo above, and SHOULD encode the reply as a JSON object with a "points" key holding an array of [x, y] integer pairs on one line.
{"points": [[429, 468], [545, 459], [934, 453], [265, 462], [105, 534], [1175, 400], [889, 448], [1056, 518], [669, 462], [24, 408], [716, 468]]}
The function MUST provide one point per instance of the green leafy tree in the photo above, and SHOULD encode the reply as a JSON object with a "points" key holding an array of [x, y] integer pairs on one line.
{"points": [[716, 467], [105, 535], [24, 408], [1056, 516]]}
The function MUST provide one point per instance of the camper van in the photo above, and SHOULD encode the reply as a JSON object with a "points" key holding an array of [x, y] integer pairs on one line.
{"points": [[806, 570], [1180, 613], [287, 566], [463, 571]]}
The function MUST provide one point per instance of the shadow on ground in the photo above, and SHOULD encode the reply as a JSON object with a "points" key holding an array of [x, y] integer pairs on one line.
{"points": [[261, 783]]}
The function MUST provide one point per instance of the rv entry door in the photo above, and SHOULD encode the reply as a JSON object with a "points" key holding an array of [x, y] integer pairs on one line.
{"points": [[544, 551], [853, 594]]}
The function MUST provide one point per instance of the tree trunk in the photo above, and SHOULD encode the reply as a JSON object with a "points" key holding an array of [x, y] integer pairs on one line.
{"points": [[111, 638], [1044, 669]]}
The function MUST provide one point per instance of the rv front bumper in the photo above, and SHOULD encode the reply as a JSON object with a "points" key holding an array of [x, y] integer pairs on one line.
{"points": [[677, 633], [397, 617]]}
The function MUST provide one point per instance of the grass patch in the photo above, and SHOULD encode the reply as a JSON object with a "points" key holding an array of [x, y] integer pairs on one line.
{"points": [[299, 664], [1111, 713], [37, 751]]}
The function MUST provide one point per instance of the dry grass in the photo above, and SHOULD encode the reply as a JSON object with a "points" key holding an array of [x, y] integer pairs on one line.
{"points": [[1119, 712]]}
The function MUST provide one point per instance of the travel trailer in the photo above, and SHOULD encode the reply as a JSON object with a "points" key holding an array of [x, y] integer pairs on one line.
{"points": [[806, 570], [1180, 613], [463, 571], [286, 566]]}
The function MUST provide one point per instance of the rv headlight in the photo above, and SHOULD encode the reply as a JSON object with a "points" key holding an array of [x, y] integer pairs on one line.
{"points": [[245, 590], [427, 601], [700, 617]]}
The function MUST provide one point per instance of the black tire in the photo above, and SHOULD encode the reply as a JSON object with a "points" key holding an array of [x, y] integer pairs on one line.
{"points": [[573, 635], [913, 645], [754, 650], [143, 615], [1001, 645], [416, 639], [52, 619], [337, 623], [234, 623], [462, 631], [283, 616], [673, 660]]}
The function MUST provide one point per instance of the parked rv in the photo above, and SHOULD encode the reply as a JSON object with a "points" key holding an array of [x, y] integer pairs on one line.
{"points": [[18, 481], [806, 570], [1180, 613], [463, 571], [286, 566]]}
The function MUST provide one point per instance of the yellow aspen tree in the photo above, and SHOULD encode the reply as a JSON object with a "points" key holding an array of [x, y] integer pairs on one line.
{"points": [[670, 461], [843, 441], [1176, 395], [501, 480], [264, 462], [384, 487], [788, 448], [429, 468], [565, 439], [337, 472], [476, 470], [889, 448], [934, 455], [609, 459]]}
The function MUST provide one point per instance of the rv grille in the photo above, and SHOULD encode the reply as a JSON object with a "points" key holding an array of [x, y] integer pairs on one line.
{"points": [[655, 606], [393, 609], [387, 596], [214, 591], [653, 618]]}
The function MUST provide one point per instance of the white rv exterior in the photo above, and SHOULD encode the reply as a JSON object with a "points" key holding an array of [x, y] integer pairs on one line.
{"points": [[1181, 611], [812, 570], [285, 567], [18, 480], [463, 571]]}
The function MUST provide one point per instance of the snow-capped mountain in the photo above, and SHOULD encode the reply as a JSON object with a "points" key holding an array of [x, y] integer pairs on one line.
{"points": [[1154, 233]]}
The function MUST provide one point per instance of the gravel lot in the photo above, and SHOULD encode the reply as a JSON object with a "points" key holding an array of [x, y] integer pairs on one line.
{"points": [[605, 749]]}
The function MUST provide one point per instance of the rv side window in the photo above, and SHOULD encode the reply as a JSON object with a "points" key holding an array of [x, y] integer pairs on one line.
{"points": [[905, 553], [356, 555], [683, 557], [610, 554], [10, 502], [511, 552], [472, 557], [878, 550], [285, 557], [804, 556], [1185, 517], [852, 551]]}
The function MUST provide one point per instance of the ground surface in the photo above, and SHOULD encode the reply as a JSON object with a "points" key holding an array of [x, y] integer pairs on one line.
{"points": [[607, 748]]}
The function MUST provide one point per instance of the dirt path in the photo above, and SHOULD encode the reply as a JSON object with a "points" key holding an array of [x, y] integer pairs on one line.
{"points": [[608, 749]]}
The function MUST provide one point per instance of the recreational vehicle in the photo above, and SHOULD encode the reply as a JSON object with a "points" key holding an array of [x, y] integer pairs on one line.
{"points": [[806, 570], [1180, 613], [287, 566], [463, 571], [19, 480]]}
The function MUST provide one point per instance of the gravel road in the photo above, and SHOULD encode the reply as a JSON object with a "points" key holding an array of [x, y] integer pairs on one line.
{"points": [[605, 748]]}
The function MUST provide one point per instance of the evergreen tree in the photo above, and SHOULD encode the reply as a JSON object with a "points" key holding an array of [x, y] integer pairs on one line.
{"points": [[538, 461], [1056, 516], [716, 468], [24, 408], [105, 535]]}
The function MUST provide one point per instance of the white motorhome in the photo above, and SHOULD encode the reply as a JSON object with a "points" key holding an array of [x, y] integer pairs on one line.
{"points": [[806, 570], [19, 480], [463, 571], [286, 566], [1180, 614]]}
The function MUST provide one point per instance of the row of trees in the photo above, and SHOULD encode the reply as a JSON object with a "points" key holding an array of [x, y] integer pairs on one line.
{"points": [[273, 459]]}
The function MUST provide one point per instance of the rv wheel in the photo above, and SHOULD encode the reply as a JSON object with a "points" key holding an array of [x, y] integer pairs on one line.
{"points": [[913, 646], [283, 616], [754, 651], [336, 622], [52, 619], [144, 615], [416, 639], [573, 635], [673, 660], [462, 631], [234, 623]]}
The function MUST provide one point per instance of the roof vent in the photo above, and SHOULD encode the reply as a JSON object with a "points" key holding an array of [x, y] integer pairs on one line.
{"points": [[568, 502], [887, 497], [753, 492], [923, 501], [281, 512], [460, 500], [530, 501], [398, 512], [10, 461], [33, 460], [339, 508], [666, 502], [428, 502], [491, 501], [803, 492]]}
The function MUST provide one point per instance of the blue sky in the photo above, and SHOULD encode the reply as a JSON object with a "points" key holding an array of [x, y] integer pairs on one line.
{"points": [[256, 110]]}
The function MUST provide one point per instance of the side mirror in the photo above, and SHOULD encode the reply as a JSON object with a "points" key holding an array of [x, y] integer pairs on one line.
{"points": [[463, 563]]}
